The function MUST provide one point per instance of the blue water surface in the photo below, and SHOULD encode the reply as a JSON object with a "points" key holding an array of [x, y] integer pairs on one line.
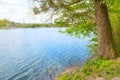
{"points": [[38, 53]]}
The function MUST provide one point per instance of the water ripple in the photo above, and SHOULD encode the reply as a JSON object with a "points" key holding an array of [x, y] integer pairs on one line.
{"points": [[39, 53]]}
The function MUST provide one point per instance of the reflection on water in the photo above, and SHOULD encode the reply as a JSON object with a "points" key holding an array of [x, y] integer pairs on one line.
{"points": [[38, 54]]}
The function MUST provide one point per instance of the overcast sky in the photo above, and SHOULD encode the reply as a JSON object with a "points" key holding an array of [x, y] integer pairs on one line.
{"points": [[19, 11]]}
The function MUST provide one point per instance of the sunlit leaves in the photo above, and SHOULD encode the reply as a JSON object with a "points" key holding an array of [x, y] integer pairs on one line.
{"points": [[85, 28], [61, 23]]}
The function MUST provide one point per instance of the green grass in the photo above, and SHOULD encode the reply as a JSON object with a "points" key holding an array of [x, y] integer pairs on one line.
{"points": [[96, 67]]}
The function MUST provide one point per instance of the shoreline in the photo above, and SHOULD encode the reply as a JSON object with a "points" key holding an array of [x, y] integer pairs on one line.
{"points": [[2, 28], [94, 69], [67, 71]]}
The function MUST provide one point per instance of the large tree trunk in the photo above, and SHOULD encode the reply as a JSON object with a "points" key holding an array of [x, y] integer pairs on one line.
{"points": [[106, 47]]}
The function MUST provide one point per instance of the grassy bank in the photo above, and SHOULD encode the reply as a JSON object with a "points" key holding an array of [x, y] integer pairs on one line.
{"points": [[94, 69]]}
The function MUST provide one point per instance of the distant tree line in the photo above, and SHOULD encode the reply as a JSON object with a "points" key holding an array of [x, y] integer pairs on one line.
{"points": [[10, 24]]}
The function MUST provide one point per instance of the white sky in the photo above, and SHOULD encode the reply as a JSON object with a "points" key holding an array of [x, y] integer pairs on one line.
{"points": [[19, 11]]}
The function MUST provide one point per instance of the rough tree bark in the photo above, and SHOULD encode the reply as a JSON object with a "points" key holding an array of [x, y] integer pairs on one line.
{"points": [[106, 47]]}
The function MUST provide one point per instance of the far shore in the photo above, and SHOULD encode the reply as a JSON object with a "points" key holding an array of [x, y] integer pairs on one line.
{"points": [[27, 27]]}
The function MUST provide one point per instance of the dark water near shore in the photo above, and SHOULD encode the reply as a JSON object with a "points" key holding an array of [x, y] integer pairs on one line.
{"points": [[38, 53]]}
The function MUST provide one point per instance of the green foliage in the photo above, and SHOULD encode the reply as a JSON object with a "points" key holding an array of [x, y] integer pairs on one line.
{"points": [[93, 45], [65, 77], [113, 4], [114, 14], [33, 25], [4, 23], [85, 29], [108, 2], [60, 23], [95, 67]]}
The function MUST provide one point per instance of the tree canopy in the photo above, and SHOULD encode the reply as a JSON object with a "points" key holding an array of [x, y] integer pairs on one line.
{"points": [[78, 15]]}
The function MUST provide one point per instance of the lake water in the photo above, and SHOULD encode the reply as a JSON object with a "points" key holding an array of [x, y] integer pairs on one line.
{"points": [[38, 53]]}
